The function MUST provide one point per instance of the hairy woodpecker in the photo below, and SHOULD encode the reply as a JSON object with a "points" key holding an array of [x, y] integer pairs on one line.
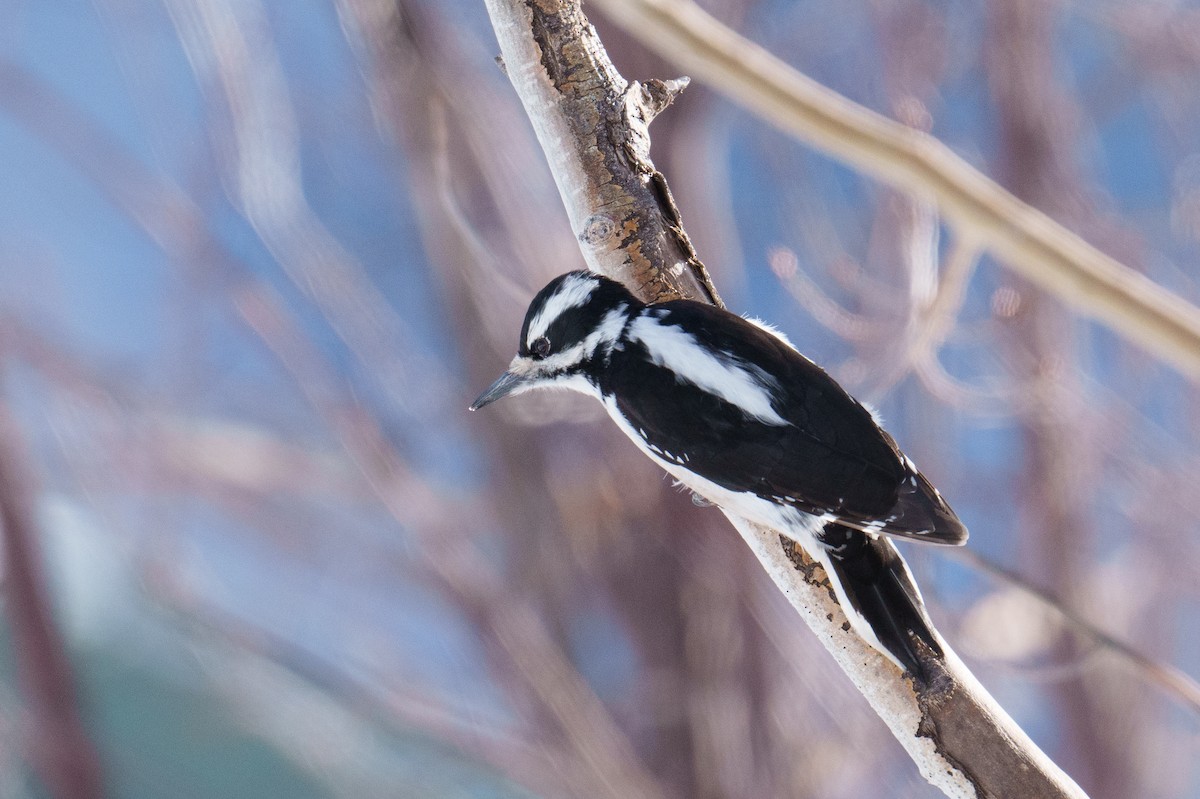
{"points": [[737, 415]]}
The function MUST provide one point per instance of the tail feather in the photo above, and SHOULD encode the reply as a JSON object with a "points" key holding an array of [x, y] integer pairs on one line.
{"points": [[876, 589]]}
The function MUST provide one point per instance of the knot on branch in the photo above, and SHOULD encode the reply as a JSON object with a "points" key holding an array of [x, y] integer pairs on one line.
{"points": [[656, 94], [643, 102]]}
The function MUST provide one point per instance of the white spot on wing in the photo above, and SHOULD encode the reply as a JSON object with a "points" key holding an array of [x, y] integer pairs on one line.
{"points": [[745, 386], [769, 328], [871, 409]]}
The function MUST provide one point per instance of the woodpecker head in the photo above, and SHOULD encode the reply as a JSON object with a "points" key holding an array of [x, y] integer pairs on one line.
{"points": [[571, 326]]}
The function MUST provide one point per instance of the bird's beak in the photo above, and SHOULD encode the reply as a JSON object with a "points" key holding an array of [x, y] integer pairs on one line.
{"points": [[506, 384]]}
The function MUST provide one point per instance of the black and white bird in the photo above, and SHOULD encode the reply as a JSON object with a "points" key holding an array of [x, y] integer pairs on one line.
{"points": [[731, 410]]}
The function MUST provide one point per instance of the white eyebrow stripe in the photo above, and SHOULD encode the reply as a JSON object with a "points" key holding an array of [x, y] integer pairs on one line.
{"points": [[573, 293], [744, 386]]}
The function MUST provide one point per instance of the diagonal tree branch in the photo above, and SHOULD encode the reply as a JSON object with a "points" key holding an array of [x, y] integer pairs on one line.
{"points": [[592, 126], [1022, 237]]}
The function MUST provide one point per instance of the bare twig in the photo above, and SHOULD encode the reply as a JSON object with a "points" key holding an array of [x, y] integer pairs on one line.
{"points": [[823, 308], [531, 661], [233, 55], [933, 320]]}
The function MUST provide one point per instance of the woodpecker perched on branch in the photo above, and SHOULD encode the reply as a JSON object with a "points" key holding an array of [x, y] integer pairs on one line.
{"points": [[730, 409]]}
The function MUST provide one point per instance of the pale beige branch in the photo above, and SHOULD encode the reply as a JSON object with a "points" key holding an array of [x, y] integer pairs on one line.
{"points": [[596, 138], [1022, 237]]}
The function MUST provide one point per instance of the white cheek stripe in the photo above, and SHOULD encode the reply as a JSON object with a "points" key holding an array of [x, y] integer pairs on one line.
{"points": [[674, 349], [558, 362], [573, 293], [528, 366]]}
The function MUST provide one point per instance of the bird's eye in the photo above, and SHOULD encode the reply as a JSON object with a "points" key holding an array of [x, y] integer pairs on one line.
{"points": [[540, 346]]}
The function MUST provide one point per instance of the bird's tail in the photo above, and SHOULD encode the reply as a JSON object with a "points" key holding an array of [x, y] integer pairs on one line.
{"points": [[879, 595]]}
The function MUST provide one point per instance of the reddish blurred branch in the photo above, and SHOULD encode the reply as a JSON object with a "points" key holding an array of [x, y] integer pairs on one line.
{"points": [[58, 747], [960, 739]]}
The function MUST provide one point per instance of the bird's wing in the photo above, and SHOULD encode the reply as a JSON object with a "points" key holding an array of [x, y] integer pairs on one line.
{"points": [[816, 449]]}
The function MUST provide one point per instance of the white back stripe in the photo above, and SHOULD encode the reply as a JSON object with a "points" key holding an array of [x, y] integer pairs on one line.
{"points": [[742, 385]]}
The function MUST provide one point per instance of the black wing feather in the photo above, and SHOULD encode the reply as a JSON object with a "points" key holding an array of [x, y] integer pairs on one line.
{"points": [[831, 458]]}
